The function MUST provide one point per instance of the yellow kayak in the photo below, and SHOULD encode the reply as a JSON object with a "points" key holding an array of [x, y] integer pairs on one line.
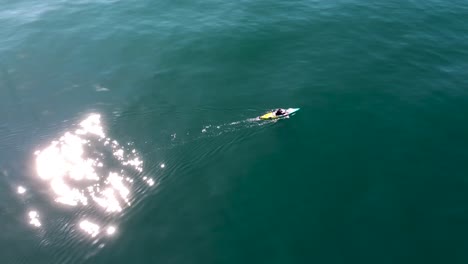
{"points": [[268, 116], [272, 115]]}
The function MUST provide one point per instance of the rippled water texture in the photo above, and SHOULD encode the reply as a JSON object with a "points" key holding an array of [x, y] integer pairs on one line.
{"points": [[129, 131]]}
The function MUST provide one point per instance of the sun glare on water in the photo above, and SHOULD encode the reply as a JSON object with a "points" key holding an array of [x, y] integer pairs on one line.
{"points": [[86, 169], [21, 190], [34, 219]]}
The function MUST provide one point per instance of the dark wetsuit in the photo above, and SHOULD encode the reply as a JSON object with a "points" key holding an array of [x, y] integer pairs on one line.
{"points": [[280, 112]]}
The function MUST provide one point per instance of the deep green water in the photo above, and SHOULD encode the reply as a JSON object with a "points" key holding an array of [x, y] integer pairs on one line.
{"points": [[373, 169]]}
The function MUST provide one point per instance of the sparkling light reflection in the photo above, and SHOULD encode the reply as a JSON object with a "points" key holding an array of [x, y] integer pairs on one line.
{"points": [[34, 218], [111, 230], [85, 167], [90, 228], [21, 189], [150, 182], [68, 165]]}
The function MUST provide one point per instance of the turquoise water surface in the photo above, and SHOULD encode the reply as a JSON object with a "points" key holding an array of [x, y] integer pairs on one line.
{"points": [[128, 131]]}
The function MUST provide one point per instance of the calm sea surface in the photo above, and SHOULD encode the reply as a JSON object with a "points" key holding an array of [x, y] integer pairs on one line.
{"points": [[128, 131]]}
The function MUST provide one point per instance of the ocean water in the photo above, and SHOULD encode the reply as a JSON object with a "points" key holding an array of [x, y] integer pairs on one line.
{"points": [[128, 131]]}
